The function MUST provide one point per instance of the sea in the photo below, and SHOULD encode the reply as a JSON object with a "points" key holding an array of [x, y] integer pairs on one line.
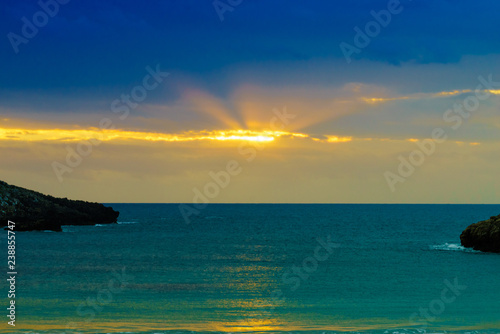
{"points": [[258, 268]]}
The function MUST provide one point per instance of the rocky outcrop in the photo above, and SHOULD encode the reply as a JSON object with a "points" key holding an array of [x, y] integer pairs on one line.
{"points": [[483, 236], [31, 210]]}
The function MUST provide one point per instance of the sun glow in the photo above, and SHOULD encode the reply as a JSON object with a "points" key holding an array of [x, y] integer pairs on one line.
{"points": [[64, 135], [248, 138], [335, 139]]}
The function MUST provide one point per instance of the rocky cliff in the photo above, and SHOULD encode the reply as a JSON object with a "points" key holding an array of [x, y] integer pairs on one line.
{"points": [[31, 210], [483, 236]]}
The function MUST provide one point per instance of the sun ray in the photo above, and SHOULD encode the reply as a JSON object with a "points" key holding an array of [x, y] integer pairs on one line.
{"points": [[207, 104]]}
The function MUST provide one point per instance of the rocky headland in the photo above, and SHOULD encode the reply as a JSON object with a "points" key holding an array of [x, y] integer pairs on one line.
{"points": [[483, 236], [31, 210]]}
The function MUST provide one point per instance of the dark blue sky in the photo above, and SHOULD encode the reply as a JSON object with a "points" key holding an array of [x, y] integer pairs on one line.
{"points": [[92, 44]]}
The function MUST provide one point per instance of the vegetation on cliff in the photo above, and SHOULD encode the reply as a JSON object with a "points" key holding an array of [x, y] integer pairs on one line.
{"points": [[31, 210]]}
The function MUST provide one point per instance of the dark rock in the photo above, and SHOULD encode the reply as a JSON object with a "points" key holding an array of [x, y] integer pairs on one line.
{"points": [[483, 236], [31, 210]]}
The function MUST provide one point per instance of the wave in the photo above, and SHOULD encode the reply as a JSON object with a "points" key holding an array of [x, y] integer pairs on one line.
{"points": [[452, 247], [126, 223]]}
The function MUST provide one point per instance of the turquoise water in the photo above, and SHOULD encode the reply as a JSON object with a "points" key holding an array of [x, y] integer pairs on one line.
{"points": [[260, 268]]}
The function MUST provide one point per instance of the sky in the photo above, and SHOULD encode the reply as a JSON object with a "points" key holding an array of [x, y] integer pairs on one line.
{"points": [[251, 101]]}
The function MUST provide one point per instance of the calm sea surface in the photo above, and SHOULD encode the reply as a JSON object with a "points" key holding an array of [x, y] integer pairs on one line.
{"points": [[260, 268]]}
